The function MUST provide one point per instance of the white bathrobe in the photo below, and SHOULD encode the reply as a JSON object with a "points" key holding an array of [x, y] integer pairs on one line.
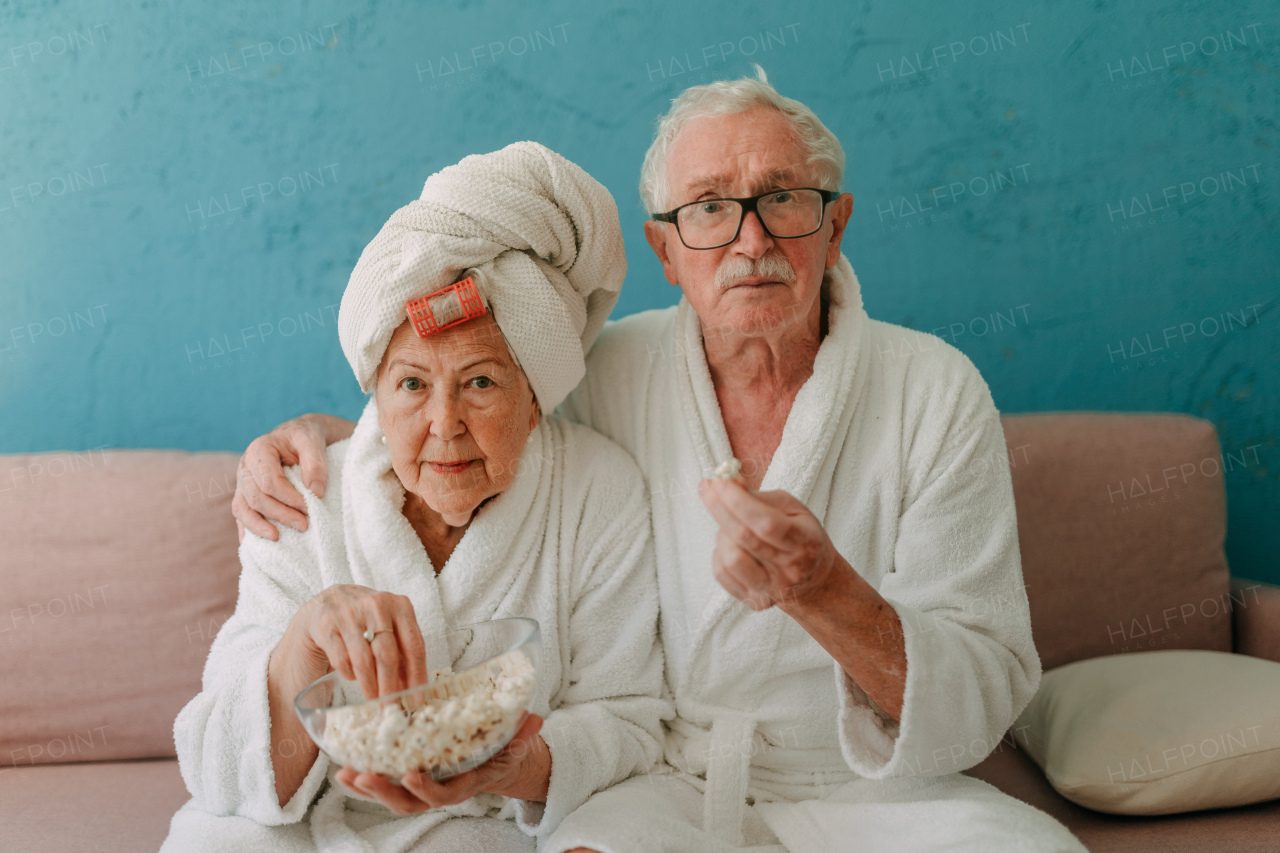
{"points": [[895, 445], [568, 544]]}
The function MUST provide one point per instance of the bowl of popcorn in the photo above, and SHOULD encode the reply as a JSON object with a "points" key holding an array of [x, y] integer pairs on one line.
{"points": [[482, 679]]}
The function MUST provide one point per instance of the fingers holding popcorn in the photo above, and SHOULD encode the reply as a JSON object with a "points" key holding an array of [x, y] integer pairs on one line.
{"points": [[770, 548]]}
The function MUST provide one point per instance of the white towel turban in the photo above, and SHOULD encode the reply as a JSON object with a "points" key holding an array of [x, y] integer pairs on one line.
{"points": [[539, 235]]}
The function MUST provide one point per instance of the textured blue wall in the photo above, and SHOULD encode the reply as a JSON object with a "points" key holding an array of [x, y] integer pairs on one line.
{"points": [[1081, 199]]}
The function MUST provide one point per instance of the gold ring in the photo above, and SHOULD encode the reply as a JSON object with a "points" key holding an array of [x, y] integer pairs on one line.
{"points": [[369, 633]]}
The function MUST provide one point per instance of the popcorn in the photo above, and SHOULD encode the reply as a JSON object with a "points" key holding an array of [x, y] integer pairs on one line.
{"points": [[730, 469], [445, 722]]}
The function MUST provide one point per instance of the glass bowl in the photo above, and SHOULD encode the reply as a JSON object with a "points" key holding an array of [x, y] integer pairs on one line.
{"points": [[482, 679]]}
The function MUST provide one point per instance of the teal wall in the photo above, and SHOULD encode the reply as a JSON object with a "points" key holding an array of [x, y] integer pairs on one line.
{"points": [[1082, 197]]}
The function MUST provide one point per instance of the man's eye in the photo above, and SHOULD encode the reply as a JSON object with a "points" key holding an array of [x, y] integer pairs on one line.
{"points": [[709, 207], [412, 383], [780, 198], [482, 382]]}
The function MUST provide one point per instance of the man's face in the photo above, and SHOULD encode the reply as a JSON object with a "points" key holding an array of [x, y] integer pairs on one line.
{"points": [[757, 284]]}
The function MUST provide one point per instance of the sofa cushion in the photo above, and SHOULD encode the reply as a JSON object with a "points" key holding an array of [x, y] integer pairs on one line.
{"points": [[104, 806], [1121, 522], [1248, 829], [1158, 733], [119, 567]]}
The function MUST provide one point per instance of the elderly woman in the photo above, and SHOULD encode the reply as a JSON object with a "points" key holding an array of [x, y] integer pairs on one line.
{"points": [[458, 499]]}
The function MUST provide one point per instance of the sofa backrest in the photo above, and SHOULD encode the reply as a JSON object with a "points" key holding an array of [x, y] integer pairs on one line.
{"points": [[1121, 521], [117, 569]]}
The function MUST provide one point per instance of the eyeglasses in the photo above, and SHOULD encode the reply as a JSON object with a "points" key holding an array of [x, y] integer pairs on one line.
{"points": [[715, 222]]}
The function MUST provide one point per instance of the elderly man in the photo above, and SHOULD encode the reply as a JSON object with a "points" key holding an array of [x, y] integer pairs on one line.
{"points": [[831, 643]]}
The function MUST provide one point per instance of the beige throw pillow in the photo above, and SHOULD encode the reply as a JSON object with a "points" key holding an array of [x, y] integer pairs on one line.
{"points": [[1158, 732]]}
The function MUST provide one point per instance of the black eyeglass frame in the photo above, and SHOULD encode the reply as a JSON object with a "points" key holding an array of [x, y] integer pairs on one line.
{"points": [[748, 205]]}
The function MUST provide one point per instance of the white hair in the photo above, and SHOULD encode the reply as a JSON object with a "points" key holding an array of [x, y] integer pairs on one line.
{"points": [[729, 97]]}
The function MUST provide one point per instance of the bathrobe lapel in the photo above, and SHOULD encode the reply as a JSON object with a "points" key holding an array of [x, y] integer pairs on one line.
{"points": [[503, 542], [818, 423], [804, 462], [383, 550]]}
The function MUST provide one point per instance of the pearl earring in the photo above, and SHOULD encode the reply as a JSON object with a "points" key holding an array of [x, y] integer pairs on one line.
{"points": [[384, 439]]}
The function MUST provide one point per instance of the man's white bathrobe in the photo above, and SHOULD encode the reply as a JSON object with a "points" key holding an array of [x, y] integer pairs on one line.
{"points": [[568, 544], [895, 445]]}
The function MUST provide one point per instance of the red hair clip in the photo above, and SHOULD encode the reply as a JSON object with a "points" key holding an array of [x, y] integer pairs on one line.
{"points": [[446, 308]]}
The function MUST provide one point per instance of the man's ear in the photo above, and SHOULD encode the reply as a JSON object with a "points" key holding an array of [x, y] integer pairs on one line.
{"points": [[841, 210], [656, 234], [536, 415]]}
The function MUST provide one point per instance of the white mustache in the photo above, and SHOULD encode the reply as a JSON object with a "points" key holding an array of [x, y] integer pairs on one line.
{"points": [[738, 267]]}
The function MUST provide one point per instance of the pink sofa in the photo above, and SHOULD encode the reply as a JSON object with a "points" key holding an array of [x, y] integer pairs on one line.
{"points": [[120, 566]]}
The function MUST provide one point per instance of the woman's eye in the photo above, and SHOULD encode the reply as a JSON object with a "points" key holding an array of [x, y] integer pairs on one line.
{"points": [[412, 383], [482, 382]]}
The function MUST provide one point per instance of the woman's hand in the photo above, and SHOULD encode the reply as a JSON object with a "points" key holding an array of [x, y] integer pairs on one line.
{"points": [[327, 633], [261, 487], [522, 770], [770, 548]]}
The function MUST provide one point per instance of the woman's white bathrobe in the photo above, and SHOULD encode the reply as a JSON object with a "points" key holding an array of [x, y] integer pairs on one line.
{"points": [[568, 543], [896, 446]]}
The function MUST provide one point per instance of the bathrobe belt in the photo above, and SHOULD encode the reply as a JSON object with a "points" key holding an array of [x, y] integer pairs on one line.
{"points": [[728, 772], [733, 758]]}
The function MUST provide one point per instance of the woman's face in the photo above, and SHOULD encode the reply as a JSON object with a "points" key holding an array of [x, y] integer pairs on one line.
{"points": [[457, 413]]}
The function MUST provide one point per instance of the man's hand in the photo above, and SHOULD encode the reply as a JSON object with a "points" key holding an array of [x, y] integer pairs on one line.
{"points": [[770, 548], [263, 492]]}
